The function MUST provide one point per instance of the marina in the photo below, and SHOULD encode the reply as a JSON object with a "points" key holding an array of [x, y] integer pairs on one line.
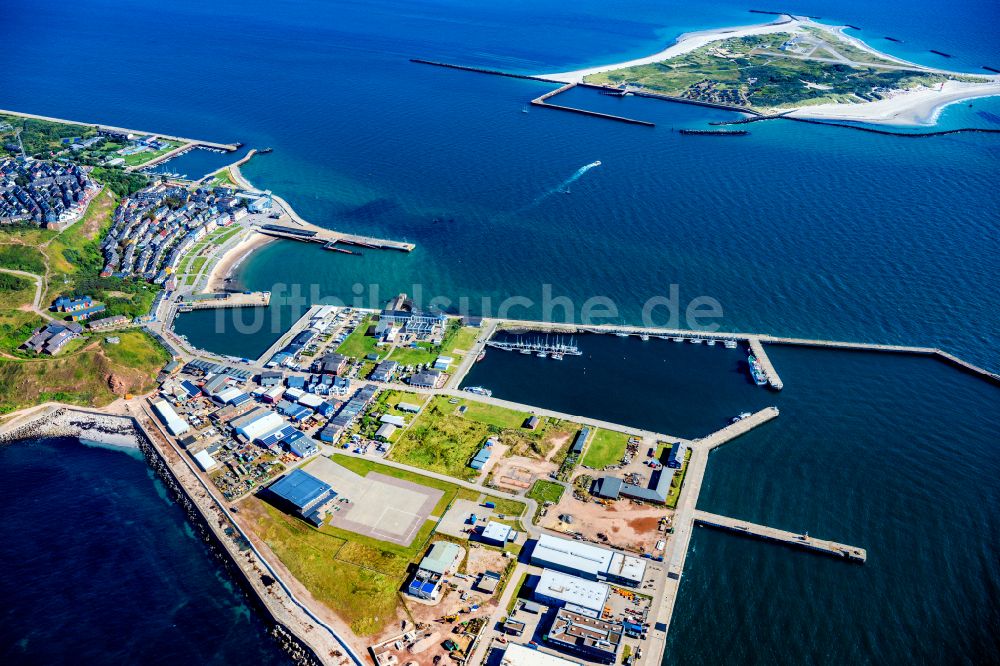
{"points": [[556, 348]]}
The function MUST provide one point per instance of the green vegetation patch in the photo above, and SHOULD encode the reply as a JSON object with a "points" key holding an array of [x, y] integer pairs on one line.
{"points": [[365, 598], [121, 182], [22, 258], [606, 448], [546, 491], [755, 71], [441, 441], [359, 344], [136, 349]]}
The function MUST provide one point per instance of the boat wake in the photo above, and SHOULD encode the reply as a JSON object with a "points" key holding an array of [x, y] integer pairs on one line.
{"points": [[561, 188]]}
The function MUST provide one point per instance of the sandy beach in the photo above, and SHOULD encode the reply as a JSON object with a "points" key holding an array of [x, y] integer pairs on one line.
{"points": [[918, 107], [686, 43], [225, 267]]}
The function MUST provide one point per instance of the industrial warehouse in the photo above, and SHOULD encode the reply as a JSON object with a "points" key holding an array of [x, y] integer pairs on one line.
{"points": [[588, 561]]}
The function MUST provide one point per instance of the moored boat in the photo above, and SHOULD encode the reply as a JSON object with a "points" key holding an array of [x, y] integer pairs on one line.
{"points": [[756, 371]]}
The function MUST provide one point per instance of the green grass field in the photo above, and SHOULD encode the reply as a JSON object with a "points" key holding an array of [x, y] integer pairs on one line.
{"points": [[546, 491], [606, 448], [358, 344], [148, 155], [441, 441], [22, 258], [358, 581]]}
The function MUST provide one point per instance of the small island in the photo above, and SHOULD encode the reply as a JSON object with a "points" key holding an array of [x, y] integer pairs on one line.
{"points": [[795, 67]]}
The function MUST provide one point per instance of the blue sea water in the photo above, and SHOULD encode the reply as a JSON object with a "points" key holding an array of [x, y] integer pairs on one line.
{"points": [[795, 229], [101, 567]]}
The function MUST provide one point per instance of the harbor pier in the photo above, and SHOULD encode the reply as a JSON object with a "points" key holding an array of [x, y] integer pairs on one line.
{"points": [[286, 338], [772, 375], [310, 233], [542, 100], [851, 553], [738, 428], [255, 299]]}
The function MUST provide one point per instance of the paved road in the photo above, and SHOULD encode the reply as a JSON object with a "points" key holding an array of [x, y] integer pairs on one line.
{"points": [[39, 281], [488, 328]]}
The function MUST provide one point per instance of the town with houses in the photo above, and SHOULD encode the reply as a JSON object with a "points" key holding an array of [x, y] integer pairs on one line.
{"points": [[44, 194], [155, 227]]}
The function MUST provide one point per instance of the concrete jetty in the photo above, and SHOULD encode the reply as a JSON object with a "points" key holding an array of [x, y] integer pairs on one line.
{"points": [[737, 428], [255, 299], [283, 341], [765, 363], [310, 233], [541, 100], [851, 553]]}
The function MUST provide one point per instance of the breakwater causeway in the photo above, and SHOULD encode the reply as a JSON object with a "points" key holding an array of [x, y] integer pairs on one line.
{"points": [[262, 588]]}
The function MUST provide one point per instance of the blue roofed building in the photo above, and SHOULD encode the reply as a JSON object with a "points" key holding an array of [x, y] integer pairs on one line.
{"points": [[675, 459], [426, 581], [301, 445], [304, 494]]}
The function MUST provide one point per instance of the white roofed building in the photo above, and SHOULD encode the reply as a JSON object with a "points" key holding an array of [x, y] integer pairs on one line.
{"points": [[175, 425], [587, 560], [520, 655], [583, 596], [257, 424]]}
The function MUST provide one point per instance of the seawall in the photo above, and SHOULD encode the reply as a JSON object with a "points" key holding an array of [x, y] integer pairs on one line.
{"points": [[126, 431]]}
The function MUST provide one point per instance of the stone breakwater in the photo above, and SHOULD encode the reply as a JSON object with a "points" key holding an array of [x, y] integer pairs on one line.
{"points": [[125, 432], [106, 429]]}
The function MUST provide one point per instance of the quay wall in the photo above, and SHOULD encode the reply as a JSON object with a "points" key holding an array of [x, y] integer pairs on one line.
{"points": [[483, 70], [53, 420]]}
